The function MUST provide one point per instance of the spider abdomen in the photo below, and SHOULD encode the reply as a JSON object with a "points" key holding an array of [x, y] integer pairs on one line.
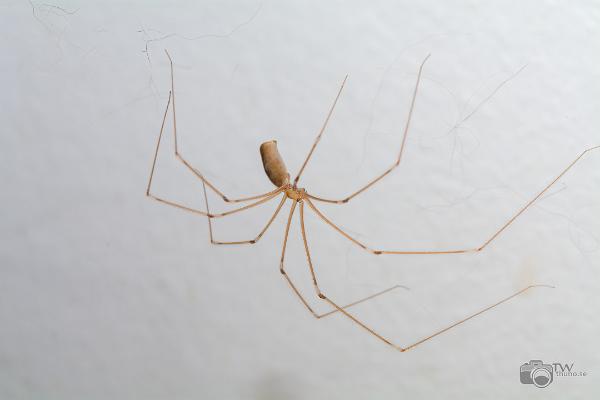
{"points": [[273, 163]]}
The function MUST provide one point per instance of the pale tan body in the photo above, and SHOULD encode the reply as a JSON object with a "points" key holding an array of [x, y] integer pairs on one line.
{"points": [[278, 174], [277, 171]]}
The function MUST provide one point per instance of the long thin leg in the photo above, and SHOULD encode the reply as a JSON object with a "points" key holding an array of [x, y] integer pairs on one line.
{"points": [[162, 127], [168, 202], [314, 277], [195, 171], [320, 293], [281, 262], [295, 289], [251, 241], [453, 251], [398, 159], [219, 215], [182, 206], [322, 296], [504, 300], [312, 149], [372, 296], [256, 203]]}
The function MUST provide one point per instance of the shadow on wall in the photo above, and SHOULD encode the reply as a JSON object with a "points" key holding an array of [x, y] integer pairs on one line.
{"points": [[275, 386]]}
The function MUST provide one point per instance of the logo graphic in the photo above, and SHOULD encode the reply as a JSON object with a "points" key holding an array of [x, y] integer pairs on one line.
{"points": [[537, 373]]}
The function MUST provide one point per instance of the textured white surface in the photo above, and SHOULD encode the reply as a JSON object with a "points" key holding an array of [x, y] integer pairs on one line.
{"points": [[106, 294]]}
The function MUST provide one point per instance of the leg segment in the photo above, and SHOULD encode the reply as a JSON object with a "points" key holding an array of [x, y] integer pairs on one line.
{"points": [[320, 293], [195, 171], [281, 267], [453, 251], [504, 300], [295, 289], [256, 203], [312, 149], [370, 250], [251, 241], [168, 202], [262, 198], [397, 162], [373, 332]]}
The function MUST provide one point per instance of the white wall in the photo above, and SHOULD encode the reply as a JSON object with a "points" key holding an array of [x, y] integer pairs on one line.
{"points": [[107, 294]]}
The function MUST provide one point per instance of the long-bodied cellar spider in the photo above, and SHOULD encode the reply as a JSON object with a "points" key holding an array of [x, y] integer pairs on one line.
{"points": [[287, 189]]}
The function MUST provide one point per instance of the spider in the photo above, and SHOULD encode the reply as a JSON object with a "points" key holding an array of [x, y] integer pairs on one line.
{"points": [[288, 190]]}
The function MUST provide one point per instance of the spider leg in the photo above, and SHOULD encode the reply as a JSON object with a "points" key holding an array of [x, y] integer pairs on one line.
{"points": [[203, 213], [281, 267], [195, 171], [318, 138], [159, 199], [452, 251], [355, 302], [398, 159], [256, 203], [264, 198], [250, 241], [295, 289], [314, 277], [504, 300], [322, 296]]}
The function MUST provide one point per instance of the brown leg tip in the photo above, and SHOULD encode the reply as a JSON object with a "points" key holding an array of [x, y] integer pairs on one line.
{"points": [[322, 296]]}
